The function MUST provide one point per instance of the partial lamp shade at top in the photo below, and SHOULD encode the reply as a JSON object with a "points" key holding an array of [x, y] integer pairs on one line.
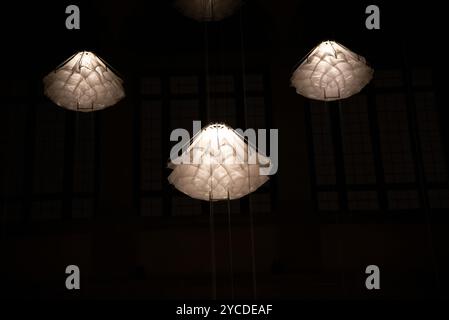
{"points": [[83, 83], [207, 10], [331, 72]]}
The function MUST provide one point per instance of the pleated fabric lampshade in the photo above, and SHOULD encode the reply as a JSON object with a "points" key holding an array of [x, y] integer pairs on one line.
{"points": [[331, 72], [220, 166], [207, 10], [85, 83]]}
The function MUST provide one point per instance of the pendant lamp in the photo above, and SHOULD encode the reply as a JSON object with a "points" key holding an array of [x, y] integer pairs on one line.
{"points": [[85, 83], [218, 165], [331, 72]]}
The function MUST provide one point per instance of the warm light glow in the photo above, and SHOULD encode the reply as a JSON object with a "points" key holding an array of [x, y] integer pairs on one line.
{"points": [[84, 83], [218, 163], [207, 10], [331, 72]]}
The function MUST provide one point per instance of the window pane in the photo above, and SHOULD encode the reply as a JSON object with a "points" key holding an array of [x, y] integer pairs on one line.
{"points": [[422, 77], [322, 143], [430, 138], [260, 203], [254, 83], [184, 85], [439, 199], [84, 162], [327, 201], [49, 149], [395, 138], [223, 110], [357, 148], [82, 208], [256, 112], [151, 86], [12, 211], [388, 78], [10, 87], [46, 210], [403, 199], [151, 149], [151, 207], [363, 200], [183, 113], [185, 206], [221, 84], [13, 130]]}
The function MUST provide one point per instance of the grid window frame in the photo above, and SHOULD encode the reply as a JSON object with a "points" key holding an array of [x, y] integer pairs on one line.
{"points": [[396, 196], [234, 96], [53, 134]]}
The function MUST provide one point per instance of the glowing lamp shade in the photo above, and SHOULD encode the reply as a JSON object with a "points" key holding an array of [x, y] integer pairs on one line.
{"points": [[220, 165], [207, 10], [83, 83], [331, 72]]}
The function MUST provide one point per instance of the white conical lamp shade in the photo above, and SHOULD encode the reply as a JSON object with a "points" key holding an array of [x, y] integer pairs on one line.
{"points": [[221, 165], [331, 72], [207, 10], [83, 83]]}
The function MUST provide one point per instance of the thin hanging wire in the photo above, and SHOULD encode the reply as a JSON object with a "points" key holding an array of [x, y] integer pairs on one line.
{"points": [[230, 244], [231, 262], [245, 106], [206, 47], [303, 59], [4, 216], [211, 206], [65, 61], [212, 247], [329, 124], [337, 220]]}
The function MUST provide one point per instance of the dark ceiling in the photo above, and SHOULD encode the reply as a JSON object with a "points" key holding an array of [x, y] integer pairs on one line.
{"points": [[35, 38]]}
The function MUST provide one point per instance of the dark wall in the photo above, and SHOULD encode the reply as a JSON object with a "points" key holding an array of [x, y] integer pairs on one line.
{"points": [[300, 252]]}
